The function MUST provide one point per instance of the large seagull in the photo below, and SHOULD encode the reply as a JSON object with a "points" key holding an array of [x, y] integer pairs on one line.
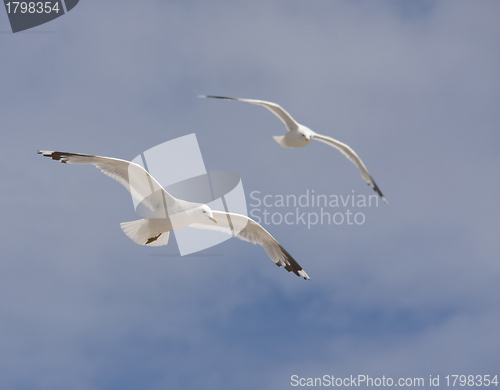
{"points": [[170, 213], [299, 135]]}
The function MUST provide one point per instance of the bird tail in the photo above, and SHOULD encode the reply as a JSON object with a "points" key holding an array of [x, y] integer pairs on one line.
{"points": [[141, 233], [280, 139]]}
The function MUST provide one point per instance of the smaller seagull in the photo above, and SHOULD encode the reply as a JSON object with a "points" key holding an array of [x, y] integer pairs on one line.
{"points": [[299, 135], [170, 213]]}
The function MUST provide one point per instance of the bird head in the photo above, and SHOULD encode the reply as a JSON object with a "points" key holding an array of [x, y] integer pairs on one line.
{"points": [[306, 133], [206, 212]]}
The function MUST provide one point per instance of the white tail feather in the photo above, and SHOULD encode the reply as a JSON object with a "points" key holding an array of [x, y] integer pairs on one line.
{"points": [[140, 232], [279, 139]]}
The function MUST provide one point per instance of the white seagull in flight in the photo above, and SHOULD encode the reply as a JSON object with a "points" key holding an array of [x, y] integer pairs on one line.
{"points": [[299, 135], [170, 213]]}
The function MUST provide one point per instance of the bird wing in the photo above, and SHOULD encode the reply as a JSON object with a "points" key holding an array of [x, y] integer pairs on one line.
{"points": [[276, 109], [351, 155], [133, 177], [247, 229]]}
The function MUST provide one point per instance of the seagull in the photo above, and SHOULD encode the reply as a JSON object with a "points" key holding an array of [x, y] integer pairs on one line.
{"points": [[170, 213], [299, 135]]}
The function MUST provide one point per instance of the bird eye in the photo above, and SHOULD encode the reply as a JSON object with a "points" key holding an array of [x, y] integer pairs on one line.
{"points": [[204, 212]]}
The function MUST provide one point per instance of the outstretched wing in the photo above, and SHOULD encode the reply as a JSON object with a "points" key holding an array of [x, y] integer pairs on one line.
{"points": [[276, 109], [133, 177], [351, 155], [247, 229]]}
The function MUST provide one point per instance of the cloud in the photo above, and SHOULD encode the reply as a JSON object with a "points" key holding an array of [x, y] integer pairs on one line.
{"points": [[414, 90]]}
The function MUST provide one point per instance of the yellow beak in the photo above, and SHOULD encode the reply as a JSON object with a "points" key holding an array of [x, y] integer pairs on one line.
{"points": [[213, 219]]}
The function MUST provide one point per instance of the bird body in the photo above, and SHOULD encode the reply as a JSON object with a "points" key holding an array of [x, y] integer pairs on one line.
{"points": [[299, 135], [295, 138], [170, 213]]}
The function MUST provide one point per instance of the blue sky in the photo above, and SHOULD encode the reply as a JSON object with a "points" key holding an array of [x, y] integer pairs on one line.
{"points": [[412, 86]]}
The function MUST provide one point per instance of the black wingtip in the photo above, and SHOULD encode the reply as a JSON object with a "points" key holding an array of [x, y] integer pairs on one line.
{"points": [[217, 97], [53, 155], [291, 265], [61, 156], [45, 153], [377, 190]]}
